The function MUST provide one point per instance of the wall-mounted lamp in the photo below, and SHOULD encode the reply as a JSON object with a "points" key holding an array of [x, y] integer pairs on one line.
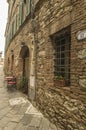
{"points": [[11, 51], [22, 44]]}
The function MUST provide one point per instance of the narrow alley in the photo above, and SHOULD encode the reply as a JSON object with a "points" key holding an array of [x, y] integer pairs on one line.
{"points": [[17, 113]]}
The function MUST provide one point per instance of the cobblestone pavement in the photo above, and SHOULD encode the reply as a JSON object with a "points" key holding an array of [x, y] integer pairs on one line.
{"points": [[17, 113]]}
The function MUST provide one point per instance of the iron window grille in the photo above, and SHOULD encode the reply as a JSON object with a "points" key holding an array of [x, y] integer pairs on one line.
{"points": [[62, 57]]}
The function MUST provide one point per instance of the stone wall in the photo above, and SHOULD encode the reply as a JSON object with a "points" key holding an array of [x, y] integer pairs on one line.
{"points": [[78, 46], [25, 36], [64, 106]]}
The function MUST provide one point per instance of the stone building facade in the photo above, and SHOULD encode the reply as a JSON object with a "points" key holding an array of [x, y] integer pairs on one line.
{"points": [[46, 42], [1, 58]]}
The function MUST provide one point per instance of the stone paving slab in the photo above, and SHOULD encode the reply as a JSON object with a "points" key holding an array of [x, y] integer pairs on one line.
{"points": [[4, 111], [44, 124], [10, 126], [17, 113], [4, 121], [32, 128], [20, 126], [26, 119], [36, 120], [16, 118]]}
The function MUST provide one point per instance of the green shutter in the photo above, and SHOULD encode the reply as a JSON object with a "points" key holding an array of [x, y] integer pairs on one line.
{"points": [[12, 29], [8, 38], [18, 21], [15, 24], [10, 34], [17, 18], [28, 6], [20, 13]]}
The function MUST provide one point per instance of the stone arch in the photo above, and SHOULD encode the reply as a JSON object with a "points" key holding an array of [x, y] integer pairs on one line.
{"points": [[24, 64], [12, 62], [8, 61], [24, 55], [8, 66]]}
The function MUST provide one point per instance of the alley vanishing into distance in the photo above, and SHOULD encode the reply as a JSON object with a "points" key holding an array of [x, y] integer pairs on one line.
{"points": [[17, 113]]}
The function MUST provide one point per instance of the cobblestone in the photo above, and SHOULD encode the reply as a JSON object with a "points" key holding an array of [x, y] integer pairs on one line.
{"points": [[17, 113]]}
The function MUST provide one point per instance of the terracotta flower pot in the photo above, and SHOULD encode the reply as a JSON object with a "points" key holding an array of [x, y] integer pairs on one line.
{"points": [[59, 83]]}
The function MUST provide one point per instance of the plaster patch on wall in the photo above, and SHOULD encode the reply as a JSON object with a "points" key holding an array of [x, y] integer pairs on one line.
{"points": [[82, 83], [70, 106], [42, 53], [82, 54], [16, 63]]}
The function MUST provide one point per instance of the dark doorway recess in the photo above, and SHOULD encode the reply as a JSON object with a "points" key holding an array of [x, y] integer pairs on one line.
{"points": [[24, 54]]}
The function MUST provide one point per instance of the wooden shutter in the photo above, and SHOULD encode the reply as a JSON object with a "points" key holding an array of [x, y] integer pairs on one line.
{"points": [[20, 13], [15, 23], [8, 38], [28, 6], [13, 29], [17, 18], [10, 33], [15, 26]]}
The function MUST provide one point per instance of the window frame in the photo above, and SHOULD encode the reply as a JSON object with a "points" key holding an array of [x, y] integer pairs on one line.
{"points": [[62, 62]]}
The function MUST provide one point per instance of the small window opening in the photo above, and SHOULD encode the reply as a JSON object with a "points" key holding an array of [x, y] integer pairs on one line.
{"points": [[62, 56]]}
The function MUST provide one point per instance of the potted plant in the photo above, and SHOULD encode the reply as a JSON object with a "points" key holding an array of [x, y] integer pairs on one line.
{"points": [[59, 81], [24, 84]]}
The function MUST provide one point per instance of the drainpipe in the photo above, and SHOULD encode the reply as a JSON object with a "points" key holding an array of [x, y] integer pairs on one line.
{"points": [[35, 43]]}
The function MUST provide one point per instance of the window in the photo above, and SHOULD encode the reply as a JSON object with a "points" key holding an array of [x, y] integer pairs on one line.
{"points": [[28, 6], [13, 29], [13, 2], [20, 14], [62, 56]]}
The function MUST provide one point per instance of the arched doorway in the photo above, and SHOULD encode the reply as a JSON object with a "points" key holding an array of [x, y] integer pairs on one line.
{"points": [[8, 66], [24, 55], [12, 63]]}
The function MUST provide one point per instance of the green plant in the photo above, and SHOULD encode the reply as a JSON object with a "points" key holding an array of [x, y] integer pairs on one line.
{"points": [[59, 81], [23, 82], [10, 73], [59, 77]]}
